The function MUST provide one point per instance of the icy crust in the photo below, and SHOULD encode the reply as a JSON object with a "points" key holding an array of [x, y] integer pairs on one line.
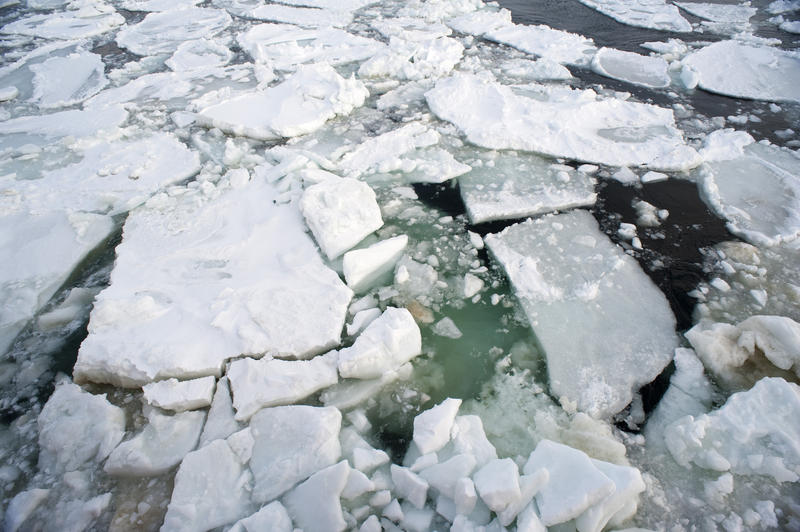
{"points": [[634, 68], [72, 24], [285, 47], [653, 14], [758, 192], [576, 286], [504, 186], [62, 81], [162, 32], [742, 70], [204, 277], [580, 127], [299, 105], [754, 433]]}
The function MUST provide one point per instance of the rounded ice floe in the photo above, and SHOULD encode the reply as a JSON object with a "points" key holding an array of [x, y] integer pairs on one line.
{"points": [[201, 53], [8, 93], [340, 214], [655, 14], [742, 70], [634, 68], [61, 81], [163, 32]]}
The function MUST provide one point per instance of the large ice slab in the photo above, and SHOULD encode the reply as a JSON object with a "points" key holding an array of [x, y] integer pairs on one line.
{"points": [[73, 24], [506, 186], [654, 14], [749, 435], [544, 41], [162, 32], [299, 105], [576, 286], [61, 81], [742, 70], [204, 278], [582, 127], [649, 71], [291, 444]]}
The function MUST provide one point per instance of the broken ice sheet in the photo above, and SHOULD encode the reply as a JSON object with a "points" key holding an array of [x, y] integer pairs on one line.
{"points": [[61, 81], [508, 185], [302, 16], [632, 67], [190, 281], [654, 14], [576, 286], [162, 32], [72, 24]]}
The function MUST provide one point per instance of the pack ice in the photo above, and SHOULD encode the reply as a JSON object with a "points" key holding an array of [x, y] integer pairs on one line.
{"points": [[577, 126], [655, 14], [576, 286]]}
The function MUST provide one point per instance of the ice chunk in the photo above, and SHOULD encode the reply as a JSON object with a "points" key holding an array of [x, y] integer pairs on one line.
{"points": [[634, 68], [211, 490], [21, 506], [314, 505], [432, 427], [302, 16], [220, 422], [520, 185], [472, 285], [340, 214], [414, 60], [299, 105], [748, 435], [654, 14], [272, 517], [8, 93], [613, 132], [162, 444], [576, 286], [575, 484], [203, 299], [362, 267], [409, 486], [628, 483], [529, 486], [350, 393], [357, 484], [75, 123], [447, 328], [179, 396], [158, 5], [765, 209], [77, 428], [481, 21], [386, 344], [199, 54], [497, 483], [292, 443], [444, 477], [544, 41], [743, 70], [468, 437], [259, 383], [348, 5], [61, 81], [738, 355], [160, 33], [723, 18], [72, 24]]}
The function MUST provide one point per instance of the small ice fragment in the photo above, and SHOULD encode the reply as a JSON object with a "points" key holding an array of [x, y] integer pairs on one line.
{"points": [[472, 285], [497, 483], [654, 177], [314, 505], [361, 320], [409, 486], [178, 396], [272, 517], [625, 175], [445, 327], [8, 93], [364, 266], [432, 427]]}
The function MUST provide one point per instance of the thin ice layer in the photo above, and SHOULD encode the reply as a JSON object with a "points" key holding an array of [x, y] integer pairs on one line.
{"points": [[503, 186], [578, 126], [204, 277], [649, 71], [302, 16], [299, 105], [742, 70], [61, 81], [654, 14], [577, 287], [162, 32], [74, 24]]}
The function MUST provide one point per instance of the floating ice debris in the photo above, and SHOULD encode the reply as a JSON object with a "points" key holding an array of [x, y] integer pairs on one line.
{"points": [[362, 267], [413, 60], [632, 67], [350, 393], [432, 427], [163, 32], [541, 69], [575, 286], [727, 17], [299, 105], [77, 428], [200, 53], [161, 445], [73, 24], [758, 192], [783, 6], [291, 444], [497, 483], [302, 16], [259, 383], [738, 355], [543, 41], [447, 328], [654, 14], [158, 5], [75, 123], [172, 275], [179, 396], [272, 517], [748, 435], [340, 214], [8, 93], [507, 186], [315, 505], [745, 71], [618, 507], [62, 81], [480, 22], [612, 132], [386, 344], [725, 144]]}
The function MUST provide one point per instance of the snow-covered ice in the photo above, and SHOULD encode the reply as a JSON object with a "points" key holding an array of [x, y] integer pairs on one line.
{"points": [[179, 396], [62, 81], [302, 16], [649, 71], [314, 505], [163, 32], [362, 267], [432, 427], [413, 60], [576, 286], [655, 14], [72, 24]]}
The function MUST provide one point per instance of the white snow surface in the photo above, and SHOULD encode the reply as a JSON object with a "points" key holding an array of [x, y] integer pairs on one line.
{"points": [[576, 286], [190, 263], [654, 14], [584, 128]]}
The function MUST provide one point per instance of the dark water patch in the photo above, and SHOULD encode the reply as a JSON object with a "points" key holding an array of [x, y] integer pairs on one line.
{"points": [[443, 196], [114, 56], [598, 82], [132, 17]]}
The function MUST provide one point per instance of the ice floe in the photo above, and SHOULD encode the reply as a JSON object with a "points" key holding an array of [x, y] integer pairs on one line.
{"points": [[200, 53], [62, 81], [179, 396], [302, 16], [362, 267], [655, 14], [163, 32], [632, 67], [574, 285], [72, 24], [413, 60], [584, 128]]}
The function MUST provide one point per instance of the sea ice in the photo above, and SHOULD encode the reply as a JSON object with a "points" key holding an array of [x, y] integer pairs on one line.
{"points": [[179, 396], [314, 505], [158, 5], [340, 214], [541, 69], [199, 54], [189, 281], [503, 186], [302, 16], [292, 443], [497, 483], [576, 286], [160, 33], [723, 18], [468, 437], [220, 422], [270, 382], [618, 507], [362, 267], [386, 344], [299, 105], [72, 24], [581, 127], [654, 14], [413, 60], [21, 506], [754, 433], [649, 71], [432, 427], [62, 81], [74, 122], [409, 486], [544, 41], [743, 70], [272, 517], [444, 477]]}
